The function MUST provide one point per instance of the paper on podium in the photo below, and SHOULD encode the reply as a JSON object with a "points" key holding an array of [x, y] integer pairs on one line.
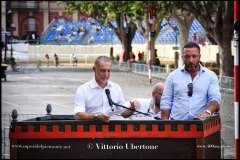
{"points": [[113, 114], [141, 118]]}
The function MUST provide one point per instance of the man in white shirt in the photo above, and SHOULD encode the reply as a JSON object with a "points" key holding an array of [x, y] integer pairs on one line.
{"points": [[150, 106], [91, 102], [74, 59]]}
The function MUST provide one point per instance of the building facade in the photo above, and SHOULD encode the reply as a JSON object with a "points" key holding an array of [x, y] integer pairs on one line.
{"points": [[25, 18]]}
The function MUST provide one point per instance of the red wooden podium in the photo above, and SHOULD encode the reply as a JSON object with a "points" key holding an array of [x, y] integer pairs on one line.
{"points": [[63, 137]]}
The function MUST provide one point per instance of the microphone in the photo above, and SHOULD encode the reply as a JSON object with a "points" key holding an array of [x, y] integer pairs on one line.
{"points": [[111, 103], [109, 98]]}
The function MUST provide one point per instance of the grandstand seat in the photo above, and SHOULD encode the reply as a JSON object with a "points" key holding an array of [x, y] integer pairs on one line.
{"points": [[166, 35]]}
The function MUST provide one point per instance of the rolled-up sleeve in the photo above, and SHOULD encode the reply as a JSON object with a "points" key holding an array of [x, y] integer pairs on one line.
{"points": [[166, 100], [214, 90]]}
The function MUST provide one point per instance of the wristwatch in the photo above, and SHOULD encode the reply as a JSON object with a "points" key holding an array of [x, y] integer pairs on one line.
{"points": [[95, 117], [208, 111]]}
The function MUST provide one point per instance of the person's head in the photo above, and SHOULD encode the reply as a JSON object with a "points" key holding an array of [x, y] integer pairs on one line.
{"points": [[102, 68], [157, 93], [191, 56]]}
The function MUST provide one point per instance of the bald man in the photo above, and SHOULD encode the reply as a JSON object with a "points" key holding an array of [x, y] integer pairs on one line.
{"points": [[91, 102], [150, 106]]}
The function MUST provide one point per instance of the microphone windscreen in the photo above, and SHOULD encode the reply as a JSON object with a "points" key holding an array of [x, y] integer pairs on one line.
{"points": [[107, 91]]}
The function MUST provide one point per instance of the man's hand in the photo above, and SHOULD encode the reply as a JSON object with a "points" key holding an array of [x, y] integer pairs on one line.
{"points": [[103, 118], [211, 108], [89, 116], [165, 114], [135, 104], [204, 115]]}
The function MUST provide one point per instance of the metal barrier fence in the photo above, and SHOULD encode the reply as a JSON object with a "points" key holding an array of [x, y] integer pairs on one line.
{"points": [[6, 121], [226, 83]]}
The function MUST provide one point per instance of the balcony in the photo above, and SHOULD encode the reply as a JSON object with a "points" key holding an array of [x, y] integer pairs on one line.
{"points": [[25, 5]]}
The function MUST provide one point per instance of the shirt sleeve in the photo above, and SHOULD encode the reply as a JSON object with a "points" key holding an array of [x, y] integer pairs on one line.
{"points": [[166, 100], [80, 98], [214, 90]]}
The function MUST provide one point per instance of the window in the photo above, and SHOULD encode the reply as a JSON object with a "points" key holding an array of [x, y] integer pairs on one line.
{"points": [[31, 24]]}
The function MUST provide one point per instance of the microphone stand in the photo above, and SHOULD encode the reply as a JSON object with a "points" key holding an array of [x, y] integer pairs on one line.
{"points": [[130, 109]]}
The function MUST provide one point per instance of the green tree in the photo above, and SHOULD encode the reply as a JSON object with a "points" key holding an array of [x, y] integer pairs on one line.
{"points": [[105, 11], [133, 13], [185, 20], [216, 17], [140, 15]]}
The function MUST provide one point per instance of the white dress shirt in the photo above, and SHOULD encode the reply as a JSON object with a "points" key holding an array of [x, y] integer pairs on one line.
{"points": [[92, 98], [146, 106]]}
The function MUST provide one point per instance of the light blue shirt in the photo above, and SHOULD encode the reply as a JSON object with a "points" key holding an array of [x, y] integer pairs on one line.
{"points": [[176, 99]]}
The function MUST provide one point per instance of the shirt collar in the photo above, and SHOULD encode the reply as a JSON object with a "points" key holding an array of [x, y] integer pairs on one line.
{"points": [[93, 83], [202, 69]]}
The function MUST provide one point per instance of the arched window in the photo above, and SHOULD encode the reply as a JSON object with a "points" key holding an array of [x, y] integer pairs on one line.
{"points": [[31, 24]]}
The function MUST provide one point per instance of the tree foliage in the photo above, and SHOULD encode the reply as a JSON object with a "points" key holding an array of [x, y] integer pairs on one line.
{"points": [[104, 12], [141, 10], [216, 17]]}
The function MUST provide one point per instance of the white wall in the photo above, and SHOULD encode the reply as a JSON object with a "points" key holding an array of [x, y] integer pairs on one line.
{"points": [[165, 52]]}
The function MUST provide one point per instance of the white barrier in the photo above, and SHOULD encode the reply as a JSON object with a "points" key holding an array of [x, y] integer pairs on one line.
{"points": [[164, 52]]}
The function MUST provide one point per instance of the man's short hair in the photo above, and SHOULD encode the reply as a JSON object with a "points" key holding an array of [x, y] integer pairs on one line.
{"points": [[101, 58], [191, 45]]}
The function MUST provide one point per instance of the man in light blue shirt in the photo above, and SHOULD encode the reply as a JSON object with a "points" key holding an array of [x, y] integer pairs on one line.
{"points": [[191, 91]]}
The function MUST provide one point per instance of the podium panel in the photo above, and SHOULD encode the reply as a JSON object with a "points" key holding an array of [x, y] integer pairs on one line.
{"points": [[63, 137]]}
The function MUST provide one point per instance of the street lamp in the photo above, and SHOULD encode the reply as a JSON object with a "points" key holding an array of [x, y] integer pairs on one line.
{"points": [[176, 55], [111, 48], [111, 32], [11, 28], [176, 34], [4, 45]]}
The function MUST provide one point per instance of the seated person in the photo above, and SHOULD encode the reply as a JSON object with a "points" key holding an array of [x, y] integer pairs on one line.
{"points": [[150, 106]]}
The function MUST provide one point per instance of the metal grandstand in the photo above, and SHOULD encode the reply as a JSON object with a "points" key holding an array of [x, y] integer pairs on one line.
{"points": [[93, 33]]}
